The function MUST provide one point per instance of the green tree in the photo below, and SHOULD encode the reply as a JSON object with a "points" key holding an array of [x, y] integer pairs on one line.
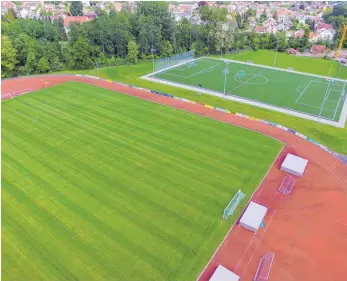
{"points": [[275, 15], [9, 16], [8, 57], [31, 62], [166, 49], [76, 8], [81, 52], [251, 13], [133, 51], [282, 41], [255, 43], [43, 65], [263, 17]]}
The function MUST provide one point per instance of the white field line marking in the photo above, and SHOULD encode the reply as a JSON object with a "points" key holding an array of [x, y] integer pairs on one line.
{"points": [[245, 252], [254, 235], [330, 232], [341, 222], [324, 99], [310, 105], [258, 269], [250, 199], [186, 66], [261, 190], [303, 91], [201, 71], [341, 98], [247, 81], [258, 244], [339, 124], [268, 274], [279, 69], [196, 73]]}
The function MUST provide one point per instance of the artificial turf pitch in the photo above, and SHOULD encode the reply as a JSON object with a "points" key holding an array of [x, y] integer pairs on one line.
{"points": [[302, 93], [98, 185]]}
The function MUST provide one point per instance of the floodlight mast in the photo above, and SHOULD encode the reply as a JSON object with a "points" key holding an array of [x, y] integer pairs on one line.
{"points": [[226, 72]]}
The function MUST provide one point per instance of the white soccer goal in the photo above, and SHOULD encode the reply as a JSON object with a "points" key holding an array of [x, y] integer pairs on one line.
{"points": [[229, 210], [264, 267], [287, 185]]}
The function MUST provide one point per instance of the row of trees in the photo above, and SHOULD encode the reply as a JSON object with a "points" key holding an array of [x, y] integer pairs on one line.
{"points": [[40, 46]]}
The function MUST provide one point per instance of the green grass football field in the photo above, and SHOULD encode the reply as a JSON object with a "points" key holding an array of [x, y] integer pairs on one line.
{"points": [[98, 185], [306, 94]]}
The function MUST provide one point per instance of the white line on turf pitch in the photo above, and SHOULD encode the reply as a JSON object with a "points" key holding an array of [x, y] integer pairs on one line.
{"points": [[341, 98], [340, 123], [276, 68], [315, 106], [196, 73], [303, 91], [246, 81]]}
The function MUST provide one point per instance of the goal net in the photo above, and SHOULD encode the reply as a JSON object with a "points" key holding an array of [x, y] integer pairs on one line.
{"points": [[229, 210], [287, 185], [264, 267], [163, 63]]}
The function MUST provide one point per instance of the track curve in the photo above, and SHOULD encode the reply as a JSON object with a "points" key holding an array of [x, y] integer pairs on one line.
{"points": [[327, 165]]}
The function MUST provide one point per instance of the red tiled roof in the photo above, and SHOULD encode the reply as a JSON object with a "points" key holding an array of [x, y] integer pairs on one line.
{"points": [[312, 35], [291, 51], [318, 49], [7, 4], [79, 19], [325, 26], [299, 34], [118, 6], [260, 28]]}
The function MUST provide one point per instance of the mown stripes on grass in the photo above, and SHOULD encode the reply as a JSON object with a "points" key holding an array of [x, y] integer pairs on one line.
{"points": [[102, 186]]}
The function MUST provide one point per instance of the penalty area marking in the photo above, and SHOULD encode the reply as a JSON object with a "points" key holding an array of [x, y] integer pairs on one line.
{"points": [[325, 98], [209, 69]]}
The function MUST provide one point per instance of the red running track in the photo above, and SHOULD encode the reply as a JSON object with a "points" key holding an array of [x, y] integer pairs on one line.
{"points": [[307, 229]]}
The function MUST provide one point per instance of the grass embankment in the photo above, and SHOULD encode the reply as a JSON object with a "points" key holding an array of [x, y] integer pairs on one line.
{"points": [[103, 186], [335, 138]]}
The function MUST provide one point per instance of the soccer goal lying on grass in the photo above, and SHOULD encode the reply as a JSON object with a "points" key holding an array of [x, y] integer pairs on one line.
{"points": [[264, 267], [287, 185], [229, 210]]}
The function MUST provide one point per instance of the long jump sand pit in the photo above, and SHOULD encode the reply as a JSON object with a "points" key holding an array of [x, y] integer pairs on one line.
{"points": [[307, 230]]}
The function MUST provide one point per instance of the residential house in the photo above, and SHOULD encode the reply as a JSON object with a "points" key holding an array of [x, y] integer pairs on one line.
{"points": [[24, 13], [85, 3], [260, 29], [318, 49], [90, 15], [118, 6], [282, 13], [49, 8], [183, 8], [68, 20], [313, 37], [325, 31], [291, 51], [6, 6], [299, 33]]}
